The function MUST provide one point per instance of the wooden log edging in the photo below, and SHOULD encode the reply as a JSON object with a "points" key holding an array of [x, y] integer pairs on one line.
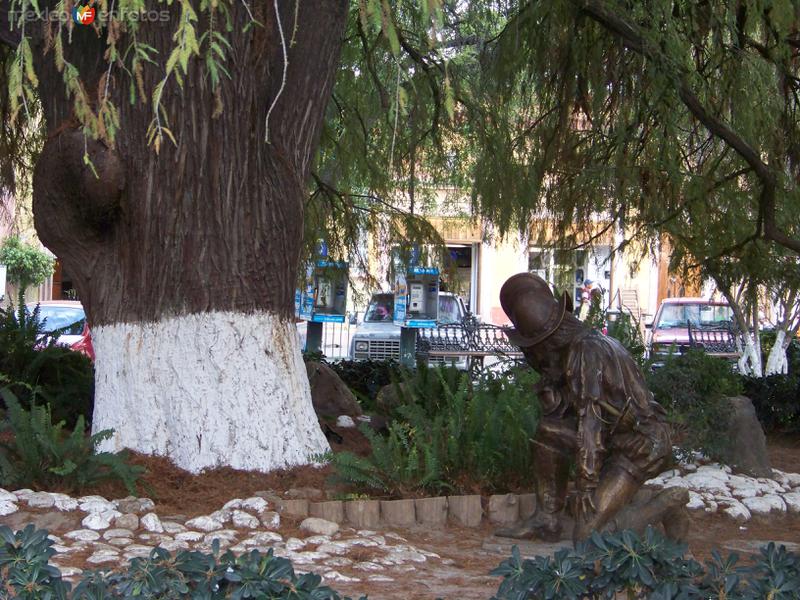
{"points": [[432, 513]]}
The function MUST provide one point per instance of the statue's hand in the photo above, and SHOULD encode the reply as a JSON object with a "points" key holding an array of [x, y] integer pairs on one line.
{"points": [[583, 503]]}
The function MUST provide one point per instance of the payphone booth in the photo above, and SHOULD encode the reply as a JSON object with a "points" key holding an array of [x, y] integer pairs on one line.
{"points": [[329, 303], [322, 299], [416, 306]]}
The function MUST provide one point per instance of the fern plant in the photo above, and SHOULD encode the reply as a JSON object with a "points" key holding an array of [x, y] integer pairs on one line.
{"points": [[400, 462], [451, 435], [41, 454]]}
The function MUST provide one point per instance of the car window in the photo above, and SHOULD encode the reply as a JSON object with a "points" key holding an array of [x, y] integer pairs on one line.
{"points": [[449, 312], [380, 309], [680, 315], [67, 320]]}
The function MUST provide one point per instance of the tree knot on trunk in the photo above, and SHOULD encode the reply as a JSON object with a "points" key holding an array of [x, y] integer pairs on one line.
{"points": [[79, 182]]}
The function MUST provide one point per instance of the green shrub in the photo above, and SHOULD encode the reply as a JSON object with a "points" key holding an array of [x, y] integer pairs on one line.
{"points": [[26, 575], [451, 435], [692, 387], [26, 265], [613, 565], [41, 455], [31, 361], [777, 401]]}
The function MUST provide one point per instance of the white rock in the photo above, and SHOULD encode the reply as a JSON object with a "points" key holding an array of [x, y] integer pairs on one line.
{"points": [[708, 481], [758, 505], [99, 520], [776, 503], [65, 503], [204, 524], [363, 542], [223, 516], [408, 555], [793, 479], [368, 566], [270, 519], [23, 494], [227, 536], [189, 536], [243, 520], [263, 538], [676, 482], [711, 507], [155, 538], [127, 521], [339, 561], [319, 526], [695, 501], [345, 421], [137, 551], [318, 539], [152, 523], [308, 558], [255, 504], [7, 508], [338, 577], [792, 502], [95, 505], [54, 538], [103, 556], [231, 504], [172, 527], [41, 500], [6, 496], [293, 544], [82, 535], [121, 541], [335, 548], [689, 468], [174, 545], [117, 533], [68, 572], [737, 511], [380, 579]]}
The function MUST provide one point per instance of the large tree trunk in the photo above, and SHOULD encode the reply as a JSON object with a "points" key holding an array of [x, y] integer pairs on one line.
{"points": [[186, 260]]}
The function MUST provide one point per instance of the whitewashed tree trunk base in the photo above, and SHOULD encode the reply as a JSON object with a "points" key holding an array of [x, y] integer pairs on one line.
{"points": [[777, 361], [207, 390]]}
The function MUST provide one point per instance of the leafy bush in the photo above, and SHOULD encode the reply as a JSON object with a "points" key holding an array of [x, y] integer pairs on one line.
{"points": [[30, 361], [26, 265], [26, 575], [464, 435], [612, 565], [692, 387], [42, 455], [777, 401], [365, 378]]}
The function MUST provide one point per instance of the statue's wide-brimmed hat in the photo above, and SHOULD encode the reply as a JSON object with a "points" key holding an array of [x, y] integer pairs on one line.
{"points": [[536, 314]]}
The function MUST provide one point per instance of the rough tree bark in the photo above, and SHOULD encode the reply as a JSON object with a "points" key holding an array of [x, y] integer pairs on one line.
{"points": [[185, 260]]}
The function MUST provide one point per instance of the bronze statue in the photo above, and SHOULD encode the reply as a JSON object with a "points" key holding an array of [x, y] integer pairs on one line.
{"points": [[596, 411]]}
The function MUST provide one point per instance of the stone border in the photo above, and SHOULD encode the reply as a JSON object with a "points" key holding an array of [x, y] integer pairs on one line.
{"points": [[434, 512]]}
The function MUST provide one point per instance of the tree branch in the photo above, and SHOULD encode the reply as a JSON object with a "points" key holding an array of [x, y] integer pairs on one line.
{"points": [[634, 40]]}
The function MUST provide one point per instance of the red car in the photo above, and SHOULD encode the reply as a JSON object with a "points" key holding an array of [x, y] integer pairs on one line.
{"points": [[670, 328], [68, 318]]}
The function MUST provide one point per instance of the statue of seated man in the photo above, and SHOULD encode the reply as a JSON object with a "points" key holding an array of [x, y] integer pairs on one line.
{"points": [[597, 414]]}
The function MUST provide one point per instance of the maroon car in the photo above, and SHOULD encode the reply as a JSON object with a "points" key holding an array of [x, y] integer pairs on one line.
{"points": [[670, 327]]}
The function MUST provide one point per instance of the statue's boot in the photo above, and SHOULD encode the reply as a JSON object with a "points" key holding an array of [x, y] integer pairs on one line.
{"points": [[552, 471], [541, 526]]}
